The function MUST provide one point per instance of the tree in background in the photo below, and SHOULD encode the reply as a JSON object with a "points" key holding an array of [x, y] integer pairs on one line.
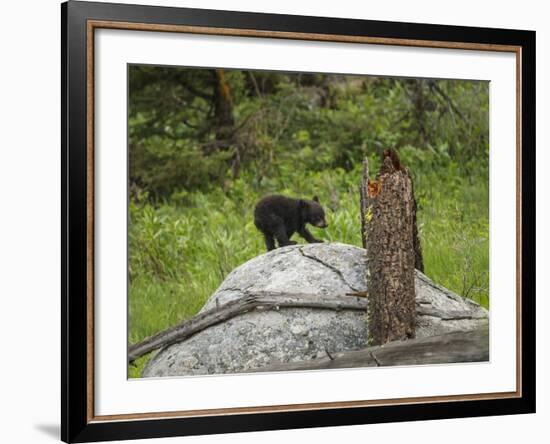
{"points": [[195, 128]]}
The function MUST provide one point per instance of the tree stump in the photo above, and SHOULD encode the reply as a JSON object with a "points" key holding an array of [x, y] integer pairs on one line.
{"points": [[389, 222]]}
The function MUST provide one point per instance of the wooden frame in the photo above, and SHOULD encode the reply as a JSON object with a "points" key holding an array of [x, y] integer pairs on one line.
{"points": [[79, 21]]}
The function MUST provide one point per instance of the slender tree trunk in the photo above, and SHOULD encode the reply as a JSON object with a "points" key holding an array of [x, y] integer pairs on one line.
{"points": [[223, 106], [389, 221], [226, 137], [419, 110]]}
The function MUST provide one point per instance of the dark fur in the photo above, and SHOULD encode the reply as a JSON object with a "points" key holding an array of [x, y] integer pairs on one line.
{"points": [[279, 217]]}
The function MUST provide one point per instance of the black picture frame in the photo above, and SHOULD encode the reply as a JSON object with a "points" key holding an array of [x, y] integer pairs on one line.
{"points": [[77, 425]]}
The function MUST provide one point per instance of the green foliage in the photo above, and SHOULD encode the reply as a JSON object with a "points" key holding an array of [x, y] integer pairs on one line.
{"points": [[281, 121], [180, 253], [193, 187]]}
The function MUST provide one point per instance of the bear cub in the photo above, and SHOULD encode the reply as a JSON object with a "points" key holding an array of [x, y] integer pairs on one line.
{"points": [[279, 217]]}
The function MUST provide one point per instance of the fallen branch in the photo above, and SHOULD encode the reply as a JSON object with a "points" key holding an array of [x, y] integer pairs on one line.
{"points": [[468, 346], [259, 300]]}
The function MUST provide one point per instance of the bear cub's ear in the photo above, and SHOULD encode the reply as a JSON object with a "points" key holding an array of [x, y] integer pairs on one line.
{"points": [[315, 199]]}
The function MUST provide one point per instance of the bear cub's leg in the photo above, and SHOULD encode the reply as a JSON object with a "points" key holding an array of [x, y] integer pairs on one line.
{"points": [[282, 236], [269, 242], [304, 232]]}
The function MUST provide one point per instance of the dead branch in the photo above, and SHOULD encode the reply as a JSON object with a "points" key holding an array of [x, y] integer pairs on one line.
{"points": [[470, 346], [260, 300]]}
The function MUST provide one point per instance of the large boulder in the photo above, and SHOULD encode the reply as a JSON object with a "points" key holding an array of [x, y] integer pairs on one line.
{"points": [[259, 338]]}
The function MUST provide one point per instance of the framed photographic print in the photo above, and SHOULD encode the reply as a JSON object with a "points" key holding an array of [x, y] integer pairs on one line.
{"points": [[276, 221]]}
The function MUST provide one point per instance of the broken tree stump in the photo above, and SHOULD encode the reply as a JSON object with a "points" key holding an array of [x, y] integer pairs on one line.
{"points": [[389, 212]]}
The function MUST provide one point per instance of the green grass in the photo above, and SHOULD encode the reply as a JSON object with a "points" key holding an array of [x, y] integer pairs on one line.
{"points": [[455, 240], [182, 249]]}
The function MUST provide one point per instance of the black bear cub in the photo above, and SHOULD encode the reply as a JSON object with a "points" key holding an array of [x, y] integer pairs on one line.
{"points": [[279, 217]]}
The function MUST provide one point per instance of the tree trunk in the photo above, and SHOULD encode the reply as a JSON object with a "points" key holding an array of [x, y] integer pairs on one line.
{"points": [[223, 106], [419, 110], [226, 136], [389, 222]]}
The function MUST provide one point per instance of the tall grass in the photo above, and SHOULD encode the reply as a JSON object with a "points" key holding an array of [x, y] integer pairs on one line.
{"points": [[182, 249]]}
